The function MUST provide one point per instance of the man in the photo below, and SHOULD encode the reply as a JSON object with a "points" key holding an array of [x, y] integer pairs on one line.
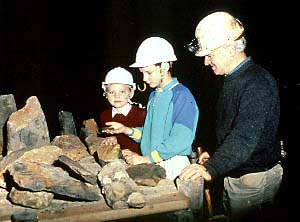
{"points": [[248, 150], [172, 113]]}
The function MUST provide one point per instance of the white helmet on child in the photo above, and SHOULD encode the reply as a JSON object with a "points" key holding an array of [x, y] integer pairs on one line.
{"points": [[153, 50], [216, 30], [118, 75]]}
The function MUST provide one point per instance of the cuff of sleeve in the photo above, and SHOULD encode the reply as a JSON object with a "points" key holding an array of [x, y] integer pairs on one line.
{"points": [[211, 170], [135, 134], [132, 132], [155, 157]]}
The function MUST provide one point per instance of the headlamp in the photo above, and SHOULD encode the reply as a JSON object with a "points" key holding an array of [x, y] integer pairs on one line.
{"points": [[193, 46]]}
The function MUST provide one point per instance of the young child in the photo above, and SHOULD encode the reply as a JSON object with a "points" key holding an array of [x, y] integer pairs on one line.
{"points": [[119, 89]]}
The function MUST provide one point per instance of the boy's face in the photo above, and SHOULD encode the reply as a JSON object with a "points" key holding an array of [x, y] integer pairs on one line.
{"points": [[118, 94], [152, 75]]}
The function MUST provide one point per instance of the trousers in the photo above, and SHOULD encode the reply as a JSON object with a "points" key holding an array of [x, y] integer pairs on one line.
{"points": [[245, 197]]}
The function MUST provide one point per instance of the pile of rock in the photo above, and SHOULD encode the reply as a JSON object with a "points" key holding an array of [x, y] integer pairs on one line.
{"points": [[34, 171]]}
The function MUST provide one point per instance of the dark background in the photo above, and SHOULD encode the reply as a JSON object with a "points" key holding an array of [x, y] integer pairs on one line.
{"points": [[61, 50]]}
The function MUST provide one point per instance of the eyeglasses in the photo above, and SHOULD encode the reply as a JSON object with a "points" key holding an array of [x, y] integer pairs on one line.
{"points": [[121, 93]]}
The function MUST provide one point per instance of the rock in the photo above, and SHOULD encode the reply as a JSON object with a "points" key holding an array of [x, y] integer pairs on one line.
{"points": [[66, 123], [27, 127]]}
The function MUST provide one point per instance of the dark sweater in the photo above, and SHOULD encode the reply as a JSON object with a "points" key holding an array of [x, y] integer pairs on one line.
{"points": [[247, 123], [135, 118]]}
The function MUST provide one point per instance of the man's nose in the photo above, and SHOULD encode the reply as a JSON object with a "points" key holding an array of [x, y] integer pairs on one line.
{"points": [[206, 60]]}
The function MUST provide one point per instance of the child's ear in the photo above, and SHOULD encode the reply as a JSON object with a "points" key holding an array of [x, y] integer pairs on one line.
{"points": [[131, 93], [165, 66]]}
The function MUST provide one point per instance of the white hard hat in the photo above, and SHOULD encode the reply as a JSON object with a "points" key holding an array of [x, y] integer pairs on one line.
{"points": [[154, 50], [216, 30], [118, 75]]}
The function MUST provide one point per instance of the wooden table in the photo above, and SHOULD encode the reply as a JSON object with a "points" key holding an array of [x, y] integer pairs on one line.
{"points": [[101, 212], [156, 203]]}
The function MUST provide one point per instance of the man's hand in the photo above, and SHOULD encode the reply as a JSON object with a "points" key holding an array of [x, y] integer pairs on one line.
{"points": [[195, 171]]}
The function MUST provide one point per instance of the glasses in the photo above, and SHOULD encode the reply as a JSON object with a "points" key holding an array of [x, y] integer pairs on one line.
{"points": [[121, 93]]}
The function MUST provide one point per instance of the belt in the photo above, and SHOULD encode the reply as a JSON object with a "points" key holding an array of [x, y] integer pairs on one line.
{"points": [[238, 174]]}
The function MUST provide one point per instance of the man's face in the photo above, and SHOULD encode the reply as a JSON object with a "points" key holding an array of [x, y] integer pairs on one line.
{"points": [[219, 60], [152, 75]]}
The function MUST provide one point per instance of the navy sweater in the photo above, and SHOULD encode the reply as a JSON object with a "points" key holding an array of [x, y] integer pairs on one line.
{"points": [[247, 122]]}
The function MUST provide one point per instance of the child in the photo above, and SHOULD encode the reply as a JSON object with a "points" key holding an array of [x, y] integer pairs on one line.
{"points": [[119, 89]]}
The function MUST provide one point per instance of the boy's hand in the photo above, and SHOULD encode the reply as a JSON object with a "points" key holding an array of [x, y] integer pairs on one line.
{"points": [[116, 128], [133, 158]]}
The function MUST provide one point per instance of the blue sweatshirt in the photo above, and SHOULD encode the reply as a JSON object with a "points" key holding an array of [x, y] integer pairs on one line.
{"points": [[170, 124]]}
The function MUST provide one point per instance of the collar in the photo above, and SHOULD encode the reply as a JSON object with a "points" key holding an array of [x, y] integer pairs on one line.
{"points": [[237, 69], [169, 86], [124, 110]]}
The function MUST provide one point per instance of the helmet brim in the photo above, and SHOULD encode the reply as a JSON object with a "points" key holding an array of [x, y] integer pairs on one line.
{"points": [[202, 53]]}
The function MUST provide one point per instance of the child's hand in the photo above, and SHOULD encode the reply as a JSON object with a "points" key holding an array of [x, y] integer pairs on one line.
{"points": [[116, 128], [133, 158]]}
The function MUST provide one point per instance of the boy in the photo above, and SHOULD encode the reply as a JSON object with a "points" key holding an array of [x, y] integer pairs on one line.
{"points": [[119, 89]]}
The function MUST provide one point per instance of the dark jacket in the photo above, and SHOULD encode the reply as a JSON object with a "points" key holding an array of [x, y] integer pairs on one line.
{"points": [[247, 122]]}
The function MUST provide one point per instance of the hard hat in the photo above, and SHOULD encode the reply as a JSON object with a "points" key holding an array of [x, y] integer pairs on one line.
{"points": [[118, 75], [216, 30], [154, 50]]}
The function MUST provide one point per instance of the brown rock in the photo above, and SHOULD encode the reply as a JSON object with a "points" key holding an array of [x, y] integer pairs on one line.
{"points": [[27, 127], [72, 146], [79, 170], [66, 123], [107, 153], [146, 174], [117, 186], [45, 154], [35, 200], [43, 177], [89, 127]]}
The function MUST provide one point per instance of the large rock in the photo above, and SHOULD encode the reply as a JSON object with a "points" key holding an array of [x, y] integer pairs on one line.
{"points": [[119, 189], [77, 169], [27, 127], [66, 123], [42, 177], [37, 200], [147, 174], [72, 146]]}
